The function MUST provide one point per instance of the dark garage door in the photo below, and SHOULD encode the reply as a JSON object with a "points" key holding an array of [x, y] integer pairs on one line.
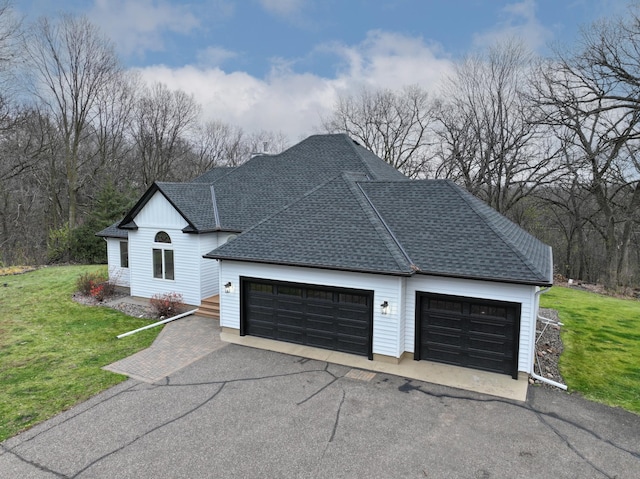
{"points": [[468, 332], [323, 317]]}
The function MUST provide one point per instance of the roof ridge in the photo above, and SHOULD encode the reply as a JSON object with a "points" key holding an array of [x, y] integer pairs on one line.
{"points": [[216, 214], [389, 239], [505, 239], [288, 205], [352, 143]]}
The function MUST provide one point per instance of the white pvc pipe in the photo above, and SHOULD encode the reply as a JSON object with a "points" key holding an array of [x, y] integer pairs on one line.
{"points": [[533, 373], [548, 381], [149, 326]]}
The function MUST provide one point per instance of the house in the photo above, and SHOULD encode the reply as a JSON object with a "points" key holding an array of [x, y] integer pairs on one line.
{"points": [[326, 245]]}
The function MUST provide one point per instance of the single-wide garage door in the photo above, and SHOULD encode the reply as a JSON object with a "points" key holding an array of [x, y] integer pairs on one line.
{"points": [[325, 317], [468, 332]]}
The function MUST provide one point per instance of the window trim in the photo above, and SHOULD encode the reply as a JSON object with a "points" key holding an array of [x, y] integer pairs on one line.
{"points": [[124, 253], [163, 267]]}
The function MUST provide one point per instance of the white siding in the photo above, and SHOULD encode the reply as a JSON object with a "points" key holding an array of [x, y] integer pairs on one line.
{"points": [[387, 329], [158, 215], [116, 273], [525, 295], [209, 268], [393, 333]]}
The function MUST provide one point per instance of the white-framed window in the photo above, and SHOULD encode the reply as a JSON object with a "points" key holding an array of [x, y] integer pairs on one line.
{"points": [[163, 257], [124, 254]]}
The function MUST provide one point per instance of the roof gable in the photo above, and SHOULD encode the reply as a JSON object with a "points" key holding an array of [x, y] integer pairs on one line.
{"points": [[149, 200]]}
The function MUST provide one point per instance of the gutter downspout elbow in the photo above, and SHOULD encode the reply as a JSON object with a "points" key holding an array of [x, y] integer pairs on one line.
{"points": [[533, 373]]}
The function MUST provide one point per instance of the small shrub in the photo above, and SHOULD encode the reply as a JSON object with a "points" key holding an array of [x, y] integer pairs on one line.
{"points": [[167, 304], [58, 244], [87, 281], [109, 288], [97, 291]]}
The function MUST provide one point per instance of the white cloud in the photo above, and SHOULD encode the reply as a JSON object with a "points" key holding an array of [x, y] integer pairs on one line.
{"points": [[138, 25], [519, 22], [214, 56], [293, 102], [392, 60]]}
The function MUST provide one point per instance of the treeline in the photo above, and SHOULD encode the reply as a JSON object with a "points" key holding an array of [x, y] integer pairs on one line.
{"points": [[550, 142], [81, 138]]}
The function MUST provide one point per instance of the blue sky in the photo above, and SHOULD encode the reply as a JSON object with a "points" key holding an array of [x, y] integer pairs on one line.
{"points": [[280, 64]]}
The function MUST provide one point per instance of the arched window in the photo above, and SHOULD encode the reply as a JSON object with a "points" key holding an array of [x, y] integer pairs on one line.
{"points": [[162, 237], [163, 258]]}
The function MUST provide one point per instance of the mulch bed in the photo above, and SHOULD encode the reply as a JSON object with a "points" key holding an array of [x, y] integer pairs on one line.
{"points": [[135, 310]]}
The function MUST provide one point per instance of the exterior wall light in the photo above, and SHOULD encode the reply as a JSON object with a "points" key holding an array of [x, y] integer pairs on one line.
{"points": [[228, 288], [384, 307]]}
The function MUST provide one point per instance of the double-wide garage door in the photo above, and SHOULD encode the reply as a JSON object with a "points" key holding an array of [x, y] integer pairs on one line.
{"points": [[325, 317], [468, 332]]}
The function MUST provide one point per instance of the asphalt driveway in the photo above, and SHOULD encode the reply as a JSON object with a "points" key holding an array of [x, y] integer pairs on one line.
{"points": [[242, 412]]}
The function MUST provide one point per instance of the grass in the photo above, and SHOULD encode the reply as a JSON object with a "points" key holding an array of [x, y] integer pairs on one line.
{"points": [[601, 336], [52, 348]]}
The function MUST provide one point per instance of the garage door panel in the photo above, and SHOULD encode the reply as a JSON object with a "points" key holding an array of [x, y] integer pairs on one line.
{"points": [[480, 334], [263, 329], [288, 319], [325, 317], [491, 327], [288, 334], [447, 338], [319, 340], [489, 344], [349, 330], [321, 323], [442, 321], [447, 356], [289, 305], [487, 363]]}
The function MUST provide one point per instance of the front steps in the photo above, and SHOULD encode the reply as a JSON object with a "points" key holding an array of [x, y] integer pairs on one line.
{"points": [[210, 307]]}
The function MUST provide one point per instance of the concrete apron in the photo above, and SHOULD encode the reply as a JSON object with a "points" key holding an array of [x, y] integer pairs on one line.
{"points": [[494, 384]]}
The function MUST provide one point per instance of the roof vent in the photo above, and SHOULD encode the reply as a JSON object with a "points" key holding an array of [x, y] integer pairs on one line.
{"points": [[265, 150]]}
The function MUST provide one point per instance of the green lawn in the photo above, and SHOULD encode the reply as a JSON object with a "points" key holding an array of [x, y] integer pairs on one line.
{"points": [[52, 349], [601, 336]]}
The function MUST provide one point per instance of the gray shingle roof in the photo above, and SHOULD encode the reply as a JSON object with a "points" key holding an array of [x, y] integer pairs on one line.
{"points": [[447, 231], [112, 231], [333, 226], [266, 183], [244, 195], [399, 227], [194, 201]]}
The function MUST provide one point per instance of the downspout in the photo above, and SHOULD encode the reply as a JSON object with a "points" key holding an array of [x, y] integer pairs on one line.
{"points": [[533, 373]]}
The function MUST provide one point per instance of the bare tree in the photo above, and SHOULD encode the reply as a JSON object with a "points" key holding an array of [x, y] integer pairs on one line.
{"points": [[487, 140], [161, 123], [394, 125], [212, 144], [73, 66], [602, 135]]}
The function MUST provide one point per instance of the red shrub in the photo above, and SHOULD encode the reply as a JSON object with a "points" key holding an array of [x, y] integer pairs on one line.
{"points": [[167, 304]]}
